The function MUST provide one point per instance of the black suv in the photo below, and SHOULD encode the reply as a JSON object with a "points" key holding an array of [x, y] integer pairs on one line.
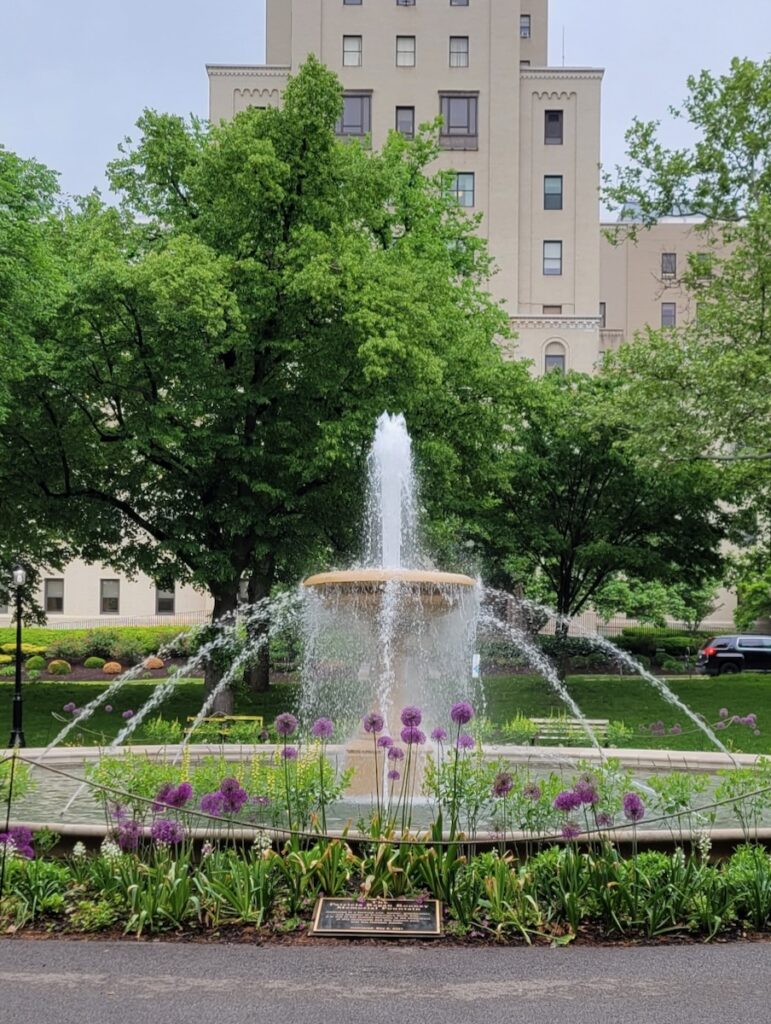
{"points": [[724, 654]]}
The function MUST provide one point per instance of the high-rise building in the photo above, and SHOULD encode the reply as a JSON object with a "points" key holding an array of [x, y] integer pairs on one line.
{"points": [[523, 138]]}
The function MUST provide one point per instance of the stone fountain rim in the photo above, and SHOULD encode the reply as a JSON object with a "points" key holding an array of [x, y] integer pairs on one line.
{"points": [[421, 577]]}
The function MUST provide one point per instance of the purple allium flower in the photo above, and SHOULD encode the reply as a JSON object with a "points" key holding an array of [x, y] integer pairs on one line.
{"points": [[128, 835], [128, 713], [261, 801], [373, 722], [567, 801], [165, 832], [465, 742], [503, 784], [180, 795], [393, 775], [439, 735], [723, 713], [264, 736], [18, 840], [411, 715], [229, 785], [751, 719], [658, 728], [108, 708], [634, 808], [720, 725], [570, 830], [285, 724], [462, 712], [322, 728], [76, 712], [233, 802], [70, 707], [532, 791], [604, 820], [411, 734], [289, 753], [213, 803], [676, 729], [395, 754], [163, 796], [385, 742], [586, 792]]}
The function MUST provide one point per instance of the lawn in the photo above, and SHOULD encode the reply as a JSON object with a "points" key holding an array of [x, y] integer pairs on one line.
{"points": [[626, 699]]}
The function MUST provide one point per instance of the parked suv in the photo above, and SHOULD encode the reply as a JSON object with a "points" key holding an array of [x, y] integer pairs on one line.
{"points": [[724, 654]]}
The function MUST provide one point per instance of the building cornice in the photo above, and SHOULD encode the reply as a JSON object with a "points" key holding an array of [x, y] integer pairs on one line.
{"points": [[556, 323], [562, 74], [248, 70]]}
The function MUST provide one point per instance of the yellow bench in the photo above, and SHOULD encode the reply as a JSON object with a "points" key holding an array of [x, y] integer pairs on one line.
{"points": [[562, 728], [225, 721]]}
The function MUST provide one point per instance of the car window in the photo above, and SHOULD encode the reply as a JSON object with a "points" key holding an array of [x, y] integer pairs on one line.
{"points": [[752, 641]]}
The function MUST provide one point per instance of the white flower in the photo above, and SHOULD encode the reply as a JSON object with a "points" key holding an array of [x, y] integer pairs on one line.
{"points": [[110, 849], [207, 850], [79, 851], [262, 841]]}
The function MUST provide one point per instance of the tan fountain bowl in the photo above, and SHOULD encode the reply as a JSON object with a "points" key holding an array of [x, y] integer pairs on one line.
{"points": [[433, 586]]}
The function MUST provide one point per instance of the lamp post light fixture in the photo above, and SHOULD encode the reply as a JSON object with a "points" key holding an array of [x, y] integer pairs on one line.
{"points": [[17, 733]]}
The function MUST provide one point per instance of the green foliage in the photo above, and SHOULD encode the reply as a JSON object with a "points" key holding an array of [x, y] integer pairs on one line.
{"points": [[574, 510], [35, 664], [22, 780], [754, 591], [26, 649], [94, 663], [59, 667]]}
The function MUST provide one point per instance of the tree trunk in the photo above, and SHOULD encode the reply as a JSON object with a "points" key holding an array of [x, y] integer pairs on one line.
{"points": [[258, 674], [224, 604]]}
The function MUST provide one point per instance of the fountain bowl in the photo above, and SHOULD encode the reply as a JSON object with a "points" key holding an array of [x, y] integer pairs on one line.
{"points": [[434, 587]]}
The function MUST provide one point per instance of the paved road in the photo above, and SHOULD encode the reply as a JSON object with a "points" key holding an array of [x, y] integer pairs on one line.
{"points": [[129, 983]]}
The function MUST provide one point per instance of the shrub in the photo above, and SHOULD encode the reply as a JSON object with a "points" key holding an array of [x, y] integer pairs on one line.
{"points": [[112, 668], [100, 642], [94, 662], [59, 667], [26, 649], [69, 648], [8, 670], [35, 664], [126, 651], [6, 659], [153, 663]]}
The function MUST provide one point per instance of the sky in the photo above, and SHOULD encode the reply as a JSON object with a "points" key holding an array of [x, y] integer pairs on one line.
{"points": [[76, 74]]}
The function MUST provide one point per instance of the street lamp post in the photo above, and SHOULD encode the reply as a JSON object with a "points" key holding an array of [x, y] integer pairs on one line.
{"points": [[17, 733]]}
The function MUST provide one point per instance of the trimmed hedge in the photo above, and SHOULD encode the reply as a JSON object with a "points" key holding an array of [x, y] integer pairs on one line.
{"points": [[94, 663], [59, 667], [115, 643]]}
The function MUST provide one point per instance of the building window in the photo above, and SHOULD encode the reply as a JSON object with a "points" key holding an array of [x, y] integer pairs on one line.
{"points": [[552, 192], [524, 63], [552, 258], [603, 315], [462, 187], [405, 51], [458, 3], [405, 3], [552, 310], [553, 128], [458, 51], [459, 121], [164, 602], [352, 3], [53, 594], [701, 264], [554, 357], [356, 114], [405, 121], [669, 314], [524, 26], [669, 264], [109, 597], [352, 51]]}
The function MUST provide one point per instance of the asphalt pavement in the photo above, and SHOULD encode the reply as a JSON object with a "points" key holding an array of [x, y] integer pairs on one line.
{"points": [[79, 982]]}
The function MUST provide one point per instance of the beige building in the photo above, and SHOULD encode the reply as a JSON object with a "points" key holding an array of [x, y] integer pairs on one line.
{"points": [[522, 137], [90, 596]]}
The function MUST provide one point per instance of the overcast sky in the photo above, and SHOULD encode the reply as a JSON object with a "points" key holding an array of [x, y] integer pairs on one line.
{"points": [[75, 74]]}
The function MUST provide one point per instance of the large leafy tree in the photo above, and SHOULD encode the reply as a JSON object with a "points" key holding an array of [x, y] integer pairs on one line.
{"points": [[574, 510], [200, 408], [702, 392]]}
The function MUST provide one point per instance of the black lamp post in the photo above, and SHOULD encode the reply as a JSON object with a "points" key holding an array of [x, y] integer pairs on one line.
{"points": [[17, 733]]}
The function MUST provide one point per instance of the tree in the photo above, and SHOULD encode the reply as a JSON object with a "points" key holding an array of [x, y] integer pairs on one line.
{"points": [[701, 392], [575, 511], [653, 602], [201, 407]]}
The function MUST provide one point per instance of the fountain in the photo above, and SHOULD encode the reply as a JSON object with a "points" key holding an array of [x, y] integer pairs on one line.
{"points": [[393, 632]]}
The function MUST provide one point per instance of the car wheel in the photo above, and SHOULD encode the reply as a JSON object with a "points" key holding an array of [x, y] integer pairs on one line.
{"points": [[728, 669]]}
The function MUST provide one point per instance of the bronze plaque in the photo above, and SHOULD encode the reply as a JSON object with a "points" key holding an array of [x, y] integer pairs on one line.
{"points": [[412, 919]]}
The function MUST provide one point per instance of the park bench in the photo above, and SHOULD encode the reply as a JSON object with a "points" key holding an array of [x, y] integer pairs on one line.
{"points": [[225, 721], [561, 729]]}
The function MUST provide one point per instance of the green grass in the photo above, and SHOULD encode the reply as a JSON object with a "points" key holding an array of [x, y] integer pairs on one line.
{"points": [[626, 699]]}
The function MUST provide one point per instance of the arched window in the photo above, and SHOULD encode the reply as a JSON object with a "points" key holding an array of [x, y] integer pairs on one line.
{"points": [[554, 357]]}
